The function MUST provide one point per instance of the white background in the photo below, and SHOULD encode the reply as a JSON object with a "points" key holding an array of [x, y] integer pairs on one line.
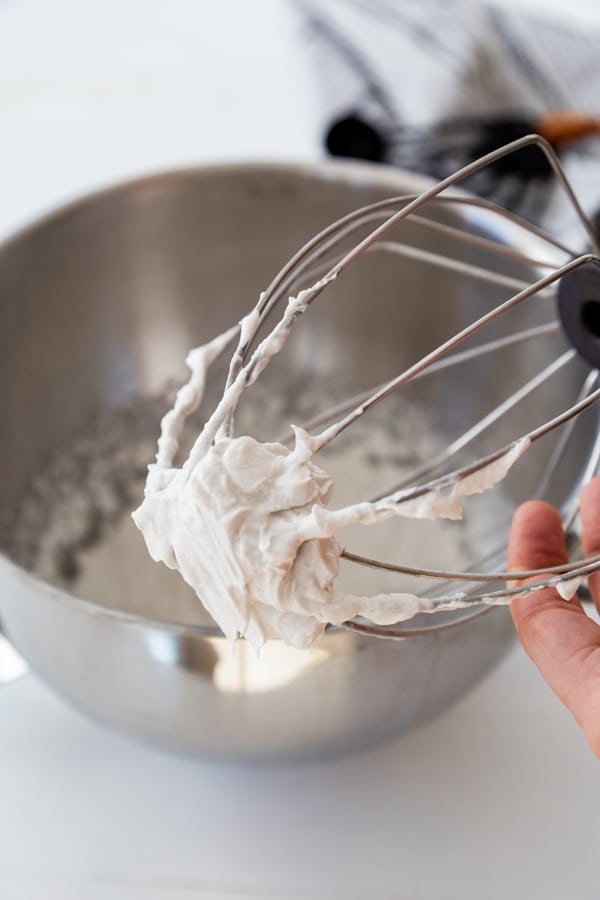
{"points": [[498, 797]]}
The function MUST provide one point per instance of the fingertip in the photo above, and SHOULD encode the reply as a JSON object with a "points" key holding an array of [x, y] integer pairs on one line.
{"points": [[536, 541], [536, 537], [589, 505], [591, 489]]}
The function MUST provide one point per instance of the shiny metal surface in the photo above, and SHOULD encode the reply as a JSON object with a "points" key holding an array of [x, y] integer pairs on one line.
{"points": [[99, 304]]}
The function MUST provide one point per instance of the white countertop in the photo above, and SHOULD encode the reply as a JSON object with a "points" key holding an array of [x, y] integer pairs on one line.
{"points": [[495, 798]]}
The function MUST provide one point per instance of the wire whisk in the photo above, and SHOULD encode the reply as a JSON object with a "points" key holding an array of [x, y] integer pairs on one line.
{"points": [[436, 485]]}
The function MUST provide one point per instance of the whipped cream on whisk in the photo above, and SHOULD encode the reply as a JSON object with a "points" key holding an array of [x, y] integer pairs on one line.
{"points": [[247, 524]]}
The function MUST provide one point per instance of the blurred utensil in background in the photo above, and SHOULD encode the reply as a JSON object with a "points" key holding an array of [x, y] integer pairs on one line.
{"points": [[469, 137], [431, 86]]}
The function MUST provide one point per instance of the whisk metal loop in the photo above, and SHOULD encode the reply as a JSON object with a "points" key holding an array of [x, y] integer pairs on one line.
{"points": [[409, 205], [465, 600], [326, 257]]}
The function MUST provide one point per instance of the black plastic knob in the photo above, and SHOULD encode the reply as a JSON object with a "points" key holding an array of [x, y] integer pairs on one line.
{"points": [[354, 138], [579, 310]]}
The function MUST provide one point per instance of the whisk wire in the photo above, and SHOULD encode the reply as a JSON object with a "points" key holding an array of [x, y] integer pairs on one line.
{"points": [[324, 255]]}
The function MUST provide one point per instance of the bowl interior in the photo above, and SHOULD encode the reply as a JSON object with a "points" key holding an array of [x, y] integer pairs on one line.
{"points": [[100, 304]]}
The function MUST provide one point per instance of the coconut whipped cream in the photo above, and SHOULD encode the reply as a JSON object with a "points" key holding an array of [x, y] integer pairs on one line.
{"points": [[247, 523]]}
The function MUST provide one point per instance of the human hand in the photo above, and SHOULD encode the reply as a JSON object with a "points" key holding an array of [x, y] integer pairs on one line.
{"points": [[560, 638]]}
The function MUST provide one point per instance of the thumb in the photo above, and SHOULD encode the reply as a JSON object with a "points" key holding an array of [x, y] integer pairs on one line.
{"points": [[557, 634]]}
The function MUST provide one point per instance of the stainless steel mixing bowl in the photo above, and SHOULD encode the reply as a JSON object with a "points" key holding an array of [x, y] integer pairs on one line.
{"points": [[98, 306]]}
